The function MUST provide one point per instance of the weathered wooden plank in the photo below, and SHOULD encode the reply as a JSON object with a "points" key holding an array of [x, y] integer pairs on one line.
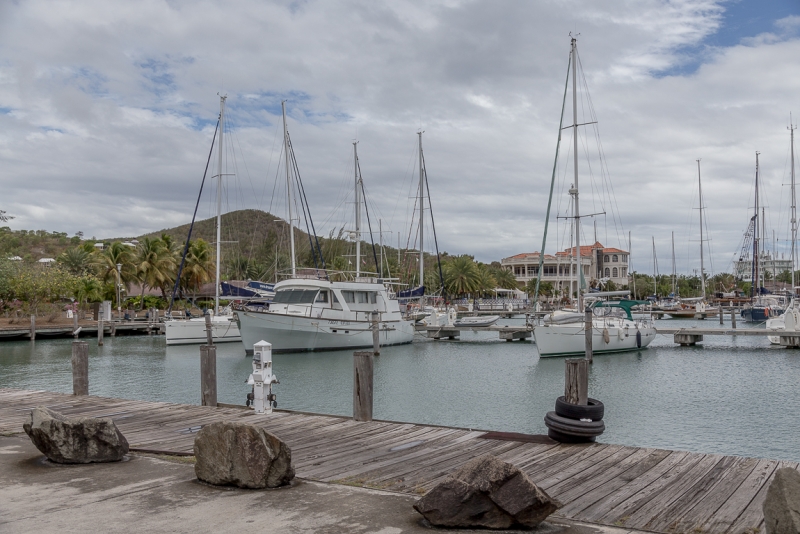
{"points": [[753, 516], [727, 514], [553, 469], [629, 484], [672, 491], [591, 467]]}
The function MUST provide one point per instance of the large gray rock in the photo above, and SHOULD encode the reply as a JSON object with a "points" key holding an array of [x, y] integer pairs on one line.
{"points": [[782, 504], [242, 455], [79, 440], [487, 493]]}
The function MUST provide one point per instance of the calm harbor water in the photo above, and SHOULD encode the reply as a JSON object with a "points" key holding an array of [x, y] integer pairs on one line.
{"points": [[733, 396]]}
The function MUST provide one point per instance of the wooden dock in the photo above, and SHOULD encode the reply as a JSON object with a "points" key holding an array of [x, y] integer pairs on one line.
{"points": [[647, 489], [509, 333], [23, 331]]}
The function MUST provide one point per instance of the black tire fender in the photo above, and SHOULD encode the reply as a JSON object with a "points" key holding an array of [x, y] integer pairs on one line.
{"points": [[594, 411], [573, 427]]}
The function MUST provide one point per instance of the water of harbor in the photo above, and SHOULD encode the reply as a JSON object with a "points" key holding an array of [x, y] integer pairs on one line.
{"points": [[729, 395]]}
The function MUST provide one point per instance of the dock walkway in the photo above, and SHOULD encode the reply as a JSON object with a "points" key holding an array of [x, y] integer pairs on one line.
{"points": [[638, 488]]}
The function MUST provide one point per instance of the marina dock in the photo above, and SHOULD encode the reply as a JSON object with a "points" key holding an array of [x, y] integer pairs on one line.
{"points": [[509, 333], [636, 488], [24, 331]]}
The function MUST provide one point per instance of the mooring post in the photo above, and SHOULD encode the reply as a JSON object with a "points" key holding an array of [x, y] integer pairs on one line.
{"points": [[209, 336], [733, 319], [80, 368], [75, 319], [376, 334], [588, 333], [33, 327], [576, 381], [721, 316], [113, 329], [100, 328], [208, 375], [363, 362]]}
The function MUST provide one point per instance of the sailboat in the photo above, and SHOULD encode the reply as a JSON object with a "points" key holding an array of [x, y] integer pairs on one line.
{"points": [[223, 326], [761, 307], [316, 313], [696, 307], [789, 321], [613, 326]]}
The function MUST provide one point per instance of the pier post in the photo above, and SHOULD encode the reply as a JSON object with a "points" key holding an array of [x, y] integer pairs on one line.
{"points": [[100, 328], [733, 319], [113, 329], [363, 362], [588, 332], [33, 327], [208, 375], [80, 368], [75, 319], [576, 381], [376, 334], [721, 315], [209, 336]]}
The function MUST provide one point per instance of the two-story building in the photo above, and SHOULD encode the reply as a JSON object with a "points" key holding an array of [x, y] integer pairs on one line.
{"points": [[598, 262]]}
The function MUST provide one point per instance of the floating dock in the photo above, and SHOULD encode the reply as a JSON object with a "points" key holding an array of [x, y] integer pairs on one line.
{"points": [[637, 488], [509, 333]]}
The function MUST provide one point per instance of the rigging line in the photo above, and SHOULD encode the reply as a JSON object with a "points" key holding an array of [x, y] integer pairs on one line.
{"points": [[433, 224], [297, 181], [369, 224], [552, 183], [191, 226], [305, 199]]}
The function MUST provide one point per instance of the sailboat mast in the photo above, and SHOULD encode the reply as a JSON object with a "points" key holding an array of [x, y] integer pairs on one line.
{"points": [[358, 211], [755, 238], [655, 270], [421, 214], [289, 198], [702, 266], [219, 199], [794, 203], [574, 52], [673, 265]]}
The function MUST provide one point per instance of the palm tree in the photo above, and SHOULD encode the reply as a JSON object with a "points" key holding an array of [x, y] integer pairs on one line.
{"points": [[486, 279], [198, 266], [88, 289], [155, 265], [461, 276], [106, 263], [505, 279], [76, 260]]}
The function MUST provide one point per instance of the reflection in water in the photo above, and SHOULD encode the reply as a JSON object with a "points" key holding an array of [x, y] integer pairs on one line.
{"points": [[726, 396]]}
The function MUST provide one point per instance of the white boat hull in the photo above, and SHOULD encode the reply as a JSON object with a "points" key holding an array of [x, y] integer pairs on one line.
{"points": [[555, 340], [193, 331], [292, 333]]}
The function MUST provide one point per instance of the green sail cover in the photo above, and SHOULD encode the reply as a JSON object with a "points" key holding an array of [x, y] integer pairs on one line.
{"points": [[624, 304]]}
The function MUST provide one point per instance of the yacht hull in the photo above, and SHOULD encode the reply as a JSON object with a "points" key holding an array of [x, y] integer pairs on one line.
{"points": [[193, 331], [292, 333], [555, 340]]}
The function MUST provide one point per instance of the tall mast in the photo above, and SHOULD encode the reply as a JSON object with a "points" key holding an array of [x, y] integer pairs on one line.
{"points": [[421, 214], [792, 128], [290, 199], [762, 258], [673, 265], [574, 52], [219, 198], [756, 238], [630, 264], [655, 269], [702, 266], [358, 211]]}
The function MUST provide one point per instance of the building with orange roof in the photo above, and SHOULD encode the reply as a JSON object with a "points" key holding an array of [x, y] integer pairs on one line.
{"points": [[598, 262]]}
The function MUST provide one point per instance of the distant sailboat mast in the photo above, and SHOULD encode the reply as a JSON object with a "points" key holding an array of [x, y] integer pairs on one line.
{"points": [[289, 196], [219, 199], [755, 277], [421, 212], [792, 128], [574, 191], [674, 276], [702, 266], [358, 210]]}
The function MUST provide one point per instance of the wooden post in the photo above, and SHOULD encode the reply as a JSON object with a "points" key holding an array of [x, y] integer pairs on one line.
{"points": [[376, 334], [208, 375], [80, 368], [733, 319], [113, 329], [33, 328], [75, 319], [576, 381], [209, 336], [721, 315], [362, 385], [587, 327], [100, 328]]}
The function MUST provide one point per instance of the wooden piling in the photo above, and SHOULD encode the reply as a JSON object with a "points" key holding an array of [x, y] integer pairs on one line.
{"points": [[588, 333], [576, 381], [113, 329], [100, 332], [75, 322], [208, 375], [80, 368], [209, 331], [721, 316], [362, 385], [733, 319], [33, 328], [376, 335]]}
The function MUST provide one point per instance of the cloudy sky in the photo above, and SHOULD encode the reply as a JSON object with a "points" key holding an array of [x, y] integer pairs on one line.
{"points": [[107, 109]]}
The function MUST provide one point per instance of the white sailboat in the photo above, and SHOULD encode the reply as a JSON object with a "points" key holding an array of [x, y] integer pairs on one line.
{"points": [[313, 314], [223, 326], [789, 321], [613, 327]]}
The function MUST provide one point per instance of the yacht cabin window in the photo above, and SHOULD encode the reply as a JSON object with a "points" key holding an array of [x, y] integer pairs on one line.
{"points": [[349, 297], [322, 297], [295, 296]]}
